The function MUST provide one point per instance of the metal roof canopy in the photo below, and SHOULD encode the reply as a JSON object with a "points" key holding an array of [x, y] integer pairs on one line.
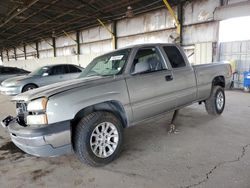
{"points": [[25, 21]]}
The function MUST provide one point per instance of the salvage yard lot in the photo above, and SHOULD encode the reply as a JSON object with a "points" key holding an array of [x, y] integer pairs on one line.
{"points": [[207, 152]]}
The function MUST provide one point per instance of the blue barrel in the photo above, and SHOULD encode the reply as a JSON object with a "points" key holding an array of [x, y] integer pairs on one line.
{"points": [[246, 79]]}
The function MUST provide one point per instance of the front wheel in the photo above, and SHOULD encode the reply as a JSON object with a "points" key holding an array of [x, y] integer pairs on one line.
{"points": [[215, 104], [98, 138], [28, 87]]}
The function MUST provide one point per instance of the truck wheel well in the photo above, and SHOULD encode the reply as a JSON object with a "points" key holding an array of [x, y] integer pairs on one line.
{"points": [[114, 107], [219, 81]]}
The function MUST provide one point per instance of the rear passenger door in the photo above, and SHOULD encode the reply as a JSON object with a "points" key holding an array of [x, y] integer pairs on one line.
{"points": [[184, 75], [74, 71], [56, 74], [150, 84]]}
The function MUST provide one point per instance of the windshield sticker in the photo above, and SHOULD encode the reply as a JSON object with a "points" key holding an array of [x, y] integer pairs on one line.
{"points": [[117, 57]]}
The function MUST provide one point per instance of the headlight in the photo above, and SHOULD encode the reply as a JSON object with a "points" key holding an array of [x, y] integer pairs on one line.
{"points": [[40, 119], [37, 105]]}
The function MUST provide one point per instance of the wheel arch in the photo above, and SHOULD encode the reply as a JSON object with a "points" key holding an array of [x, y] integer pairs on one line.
{"points": [[219, 81], [30, 84], [112, 106]]}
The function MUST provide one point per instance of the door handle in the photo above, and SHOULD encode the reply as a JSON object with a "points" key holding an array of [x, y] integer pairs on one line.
{"points": [[169, 78]]}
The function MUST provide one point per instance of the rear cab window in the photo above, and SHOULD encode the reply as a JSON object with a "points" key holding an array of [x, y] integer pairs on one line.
{"points": [[174, 56]]}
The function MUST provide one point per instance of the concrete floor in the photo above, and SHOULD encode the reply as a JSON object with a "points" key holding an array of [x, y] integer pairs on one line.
{"points": [[207, 152]]}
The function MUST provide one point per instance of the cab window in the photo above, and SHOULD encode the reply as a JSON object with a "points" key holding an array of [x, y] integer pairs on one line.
{"points": [[147, 60], [175, 57]]}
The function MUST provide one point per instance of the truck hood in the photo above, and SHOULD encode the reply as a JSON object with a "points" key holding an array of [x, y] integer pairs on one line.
{"points": [[14, 81], [56, 88]]}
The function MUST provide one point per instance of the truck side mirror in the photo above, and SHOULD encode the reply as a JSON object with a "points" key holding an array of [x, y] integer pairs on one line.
{"points": [[45, 74]]}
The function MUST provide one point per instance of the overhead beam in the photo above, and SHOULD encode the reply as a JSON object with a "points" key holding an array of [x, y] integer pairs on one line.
{"points": [[232, 11], [107, 8], [18, 12], [30, 16]]}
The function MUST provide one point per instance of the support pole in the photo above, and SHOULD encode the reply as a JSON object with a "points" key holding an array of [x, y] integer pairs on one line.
{"points": [[24, 50], [37, 50], [114, 36], [54, 45], [15, 53], [7, 52], [2, 55], [78, 42], [180, 18]]}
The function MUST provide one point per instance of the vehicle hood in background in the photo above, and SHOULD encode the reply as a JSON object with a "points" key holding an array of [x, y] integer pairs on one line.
{"points": [[60, 87], [14, 81]]}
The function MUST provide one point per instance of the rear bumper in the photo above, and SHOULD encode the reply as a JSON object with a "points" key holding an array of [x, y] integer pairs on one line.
{"points": [[10, 90], [45, 141]]}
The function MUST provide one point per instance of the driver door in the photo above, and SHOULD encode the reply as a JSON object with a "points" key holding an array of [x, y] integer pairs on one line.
{"points": [[150, 84]]}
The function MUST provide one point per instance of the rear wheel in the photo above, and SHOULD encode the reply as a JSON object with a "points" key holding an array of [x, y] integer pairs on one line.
{"points": [[215, 104], [28, 87], [98, 138]]}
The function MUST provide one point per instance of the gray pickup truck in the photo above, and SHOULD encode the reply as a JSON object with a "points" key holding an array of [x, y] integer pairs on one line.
{"points": [[116, 90]]}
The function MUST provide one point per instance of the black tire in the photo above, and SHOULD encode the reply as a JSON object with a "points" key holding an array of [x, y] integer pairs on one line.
{"points": [[83, 135], [211, 103], [29, 87]]}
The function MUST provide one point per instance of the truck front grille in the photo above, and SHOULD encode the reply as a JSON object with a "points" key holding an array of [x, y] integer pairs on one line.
{"points": [[21, 110]]}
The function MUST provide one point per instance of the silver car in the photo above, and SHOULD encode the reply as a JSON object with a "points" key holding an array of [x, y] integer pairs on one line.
{"points": [[42, 76], [9, 72]]}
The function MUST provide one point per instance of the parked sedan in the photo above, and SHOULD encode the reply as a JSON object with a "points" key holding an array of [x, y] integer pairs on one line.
{"points": [[42, 76], [8, 72]]}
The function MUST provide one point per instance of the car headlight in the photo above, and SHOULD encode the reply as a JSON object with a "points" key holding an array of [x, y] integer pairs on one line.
{"points": [[37, 105]]}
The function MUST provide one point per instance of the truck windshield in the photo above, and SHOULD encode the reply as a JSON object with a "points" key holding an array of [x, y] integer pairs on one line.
{"points": [[107, 65]]}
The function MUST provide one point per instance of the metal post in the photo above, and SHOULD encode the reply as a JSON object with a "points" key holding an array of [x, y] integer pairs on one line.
{"points": [[37, 50], [2, 55], [24, 50], [15, 53], [54, 45], [7, 54], [180, 18], [78, 42], [114, 34]]}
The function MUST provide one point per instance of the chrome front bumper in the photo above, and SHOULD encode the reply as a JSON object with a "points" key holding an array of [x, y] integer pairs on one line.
{"points": [[45, 141], [10, 90]]}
